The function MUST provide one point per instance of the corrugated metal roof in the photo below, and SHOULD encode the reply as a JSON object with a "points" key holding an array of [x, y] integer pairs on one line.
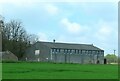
{"points": [[70, 46]]}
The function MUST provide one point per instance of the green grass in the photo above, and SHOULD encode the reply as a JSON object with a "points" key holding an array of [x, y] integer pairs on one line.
{"points": [[0, 71], [58, 71]]}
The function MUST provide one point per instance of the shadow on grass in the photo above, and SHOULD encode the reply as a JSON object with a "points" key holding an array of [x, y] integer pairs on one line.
{"points": [[49, 71]]}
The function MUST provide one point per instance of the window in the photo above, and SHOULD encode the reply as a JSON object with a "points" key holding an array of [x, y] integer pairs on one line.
{"points": [[37, 52], [81, 51], [64, 51], [69, 51], [102, 52], [55, 50], [52, 50], [97, 52], [90, 52], [77, 51], [72, 51], [59, 50]]}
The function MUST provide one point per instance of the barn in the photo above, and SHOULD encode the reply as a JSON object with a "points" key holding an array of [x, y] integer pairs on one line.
{"points": [[64, 53]]}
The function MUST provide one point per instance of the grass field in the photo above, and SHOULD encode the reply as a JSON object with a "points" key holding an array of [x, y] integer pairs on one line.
{"points": [[58, 71]]}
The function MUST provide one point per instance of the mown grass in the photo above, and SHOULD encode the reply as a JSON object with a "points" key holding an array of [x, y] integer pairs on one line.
{"points": [[58, 71]]}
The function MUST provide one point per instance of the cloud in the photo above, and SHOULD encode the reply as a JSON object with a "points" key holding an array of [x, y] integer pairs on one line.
{"points": [[72, 27], [105, 30], [51, 9], [9, 6], [42, 37], [19, 3], [90, 1], [62, 38]]}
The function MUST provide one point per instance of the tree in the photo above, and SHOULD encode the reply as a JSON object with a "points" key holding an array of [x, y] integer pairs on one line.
{"points": [[1, 26], [15, 38], [111, 58], [33, 38]]}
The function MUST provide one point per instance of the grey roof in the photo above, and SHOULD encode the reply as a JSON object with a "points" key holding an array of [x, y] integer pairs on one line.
{"points": [[70, 46]]}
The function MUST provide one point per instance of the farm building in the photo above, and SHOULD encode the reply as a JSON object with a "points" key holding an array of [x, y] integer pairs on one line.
{"points": [[64, 53], [8, 56]]}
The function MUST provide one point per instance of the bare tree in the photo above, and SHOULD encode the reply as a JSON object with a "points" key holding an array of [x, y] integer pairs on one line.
{"points": [[33, 38], [1, 28], [15, 38]]}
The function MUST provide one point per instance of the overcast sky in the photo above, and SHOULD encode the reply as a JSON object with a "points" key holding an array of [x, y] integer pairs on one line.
{"points": [[74, 22]]}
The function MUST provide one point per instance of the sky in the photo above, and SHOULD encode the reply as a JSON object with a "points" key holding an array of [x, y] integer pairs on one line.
{"points": [[66, 21]]}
